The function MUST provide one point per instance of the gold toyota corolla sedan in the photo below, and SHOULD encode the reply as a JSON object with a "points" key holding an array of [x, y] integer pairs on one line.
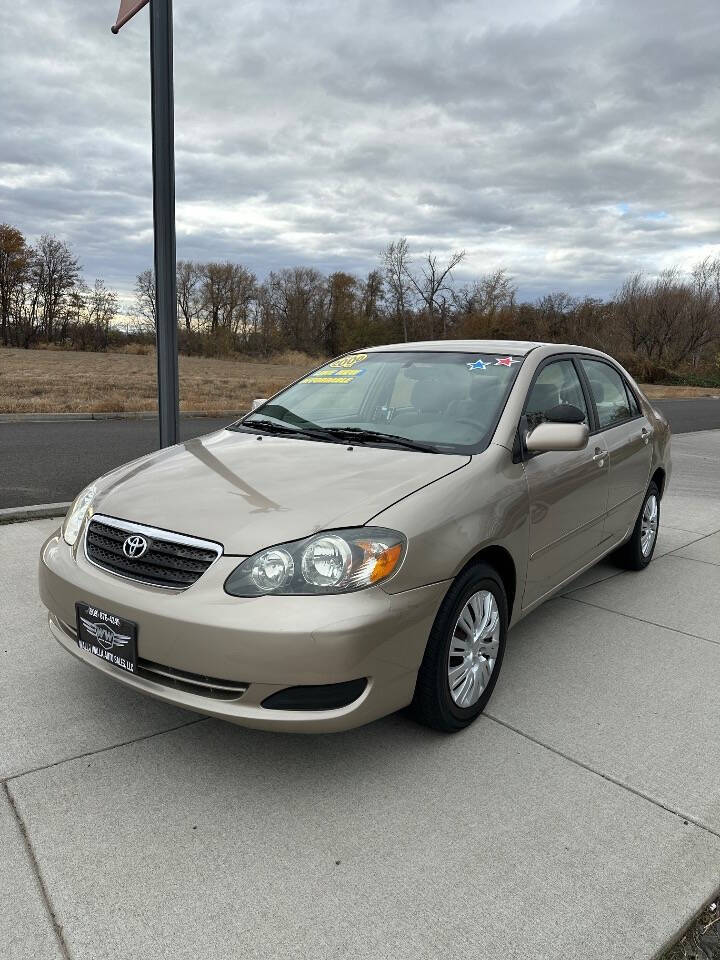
{"points": [[362, 541]]}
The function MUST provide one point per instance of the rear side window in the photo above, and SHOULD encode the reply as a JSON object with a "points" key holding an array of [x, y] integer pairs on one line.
{"points": [[634, 405], [556, 383], [609, 393]]}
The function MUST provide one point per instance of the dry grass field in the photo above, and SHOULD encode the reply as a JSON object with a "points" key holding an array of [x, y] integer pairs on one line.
{"points": [[54, 381]]}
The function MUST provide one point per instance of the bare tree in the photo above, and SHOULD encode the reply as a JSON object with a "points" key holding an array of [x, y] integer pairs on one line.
{"points": [[15, 257], [493, 292], [591, 324], [476, 308], [372, 295], [244, 292], [702, 317], [396, 263], [554, 313], [226, 292], [100, 311], [631, 310], [57, 272], [25, 308], [667, 314], [74, 313], [144, 309], [264, 320], [189, 278], [433, 282], [297, 297], [341, 310]]}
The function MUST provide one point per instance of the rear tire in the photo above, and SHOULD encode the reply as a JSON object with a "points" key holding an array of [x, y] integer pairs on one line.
{"points": [[638, 551], [464, 652]]}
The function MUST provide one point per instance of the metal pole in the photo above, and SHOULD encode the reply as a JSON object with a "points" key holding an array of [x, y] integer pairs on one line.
{"points": [[163, 146]]}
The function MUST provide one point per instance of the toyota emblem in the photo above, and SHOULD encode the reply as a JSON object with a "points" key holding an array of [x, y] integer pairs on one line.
{"points": [[135, 547]]}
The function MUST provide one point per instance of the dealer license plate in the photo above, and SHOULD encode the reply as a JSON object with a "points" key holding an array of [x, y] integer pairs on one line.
{"points": [[107, 636]]}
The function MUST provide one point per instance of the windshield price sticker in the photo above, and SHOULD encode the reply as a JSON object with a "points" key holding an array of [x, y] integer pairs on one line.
{"points": [[334, 376], [339, 371], [349, 361]]}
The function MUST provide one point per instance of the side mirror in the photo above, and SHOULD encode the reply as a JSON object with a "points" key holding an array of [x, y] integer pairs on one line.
{"points": [[257, 403], [557, 436]]}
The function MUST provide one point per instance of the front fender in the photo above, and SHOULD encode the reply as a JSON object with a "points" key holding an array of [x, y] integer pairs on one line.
{"points": [[451, 520]]}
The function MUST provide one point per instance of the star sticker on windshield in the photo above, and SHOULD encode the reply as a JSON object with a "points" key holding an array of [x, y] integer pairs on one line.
{"points": [[478, 365], [505, 362]]}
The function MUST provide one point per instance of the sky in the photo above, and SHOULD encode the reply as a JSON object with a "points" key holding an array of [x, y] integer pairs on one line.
{"points": [[569, 142]]}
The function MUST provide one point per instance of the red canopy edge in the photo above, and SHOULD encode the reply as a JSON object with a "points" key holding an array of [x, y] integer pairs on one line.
{"points": [[128, 9]]}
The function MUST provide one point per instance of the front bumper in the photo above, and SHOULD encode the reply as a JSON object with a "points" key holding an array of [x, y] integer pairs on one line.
{"points": [[268, 643]]}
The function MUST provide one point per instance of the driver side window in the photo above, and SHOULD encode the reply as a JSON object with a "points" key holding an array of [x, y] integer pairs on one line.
{"points": [[557, 383]]}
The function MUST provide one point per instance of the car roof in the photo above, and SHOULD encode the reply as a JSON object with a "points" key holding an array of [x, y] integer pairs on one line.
{"points": [[519, 347]]}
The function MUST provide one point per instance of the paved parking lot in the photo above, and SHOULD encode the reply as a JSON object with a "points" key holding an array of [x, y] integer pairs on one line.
{"points": [[580, 818]]}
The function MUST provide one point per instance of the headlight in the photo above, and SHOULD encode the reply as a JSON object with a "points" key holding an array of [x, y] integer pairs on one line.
{"points": [[271, 570], [336, 562], [76, 514], [326, 562]]}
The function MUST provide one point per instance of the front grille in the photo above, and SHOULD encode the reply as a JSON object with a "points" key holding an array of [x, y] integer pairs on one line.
{"points": [[191, 682], [171, 559]]}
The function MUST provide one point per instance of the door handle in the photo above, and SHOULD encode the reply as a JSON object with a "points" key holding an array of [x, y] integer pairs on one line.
{"points": [[645, 435], [599, 456]]}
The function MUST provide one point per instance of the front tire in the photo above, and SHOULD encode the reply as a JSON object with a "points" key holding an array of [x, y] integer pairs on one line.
{"points": [[638, 551], [464, 652]]}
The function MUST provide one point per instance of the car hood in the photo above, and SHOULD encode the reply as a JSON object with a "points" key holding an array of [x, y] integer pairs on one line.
{"points": [[248, 493]]}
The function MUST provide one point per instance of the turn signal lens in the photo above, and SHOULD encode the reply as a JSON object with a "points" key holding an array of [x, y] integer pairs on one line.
{"points": [[339, 561], [385, 563]]}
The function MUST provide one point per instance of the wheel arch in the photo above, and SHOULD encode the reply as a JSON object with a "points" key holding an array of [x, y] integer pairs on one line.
{"points": [[502, 562], [658, 478]]}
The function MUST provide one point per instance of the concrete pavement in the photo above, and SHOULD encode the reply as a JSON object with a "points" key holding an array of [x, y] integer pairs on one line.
{"points": [[51, 461], [580, 818]]}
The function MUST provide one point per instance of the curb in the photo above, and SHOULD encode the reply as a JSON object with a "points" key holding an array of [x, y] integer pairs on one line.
{"points": [[120, 415], [36, 511], [711, 396]]}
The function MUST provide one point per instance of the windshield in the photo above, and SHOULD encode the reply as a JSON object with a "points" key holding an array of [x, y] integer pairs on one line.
{"points": [[444, 402]]}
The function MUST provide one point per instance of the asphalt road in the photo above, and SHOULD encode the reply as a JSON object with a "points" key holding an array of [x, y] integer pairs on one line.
{"points": [[50, 462]]}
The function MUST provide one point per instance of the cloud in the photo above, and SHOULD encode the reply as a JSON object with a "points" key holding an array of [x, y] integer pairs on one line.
{"points": [[572, 142]]}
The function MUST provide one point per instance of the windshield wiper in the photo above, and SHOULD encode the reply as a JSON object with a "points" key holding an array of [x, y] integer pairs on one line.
{"points": [[273, 426], [338, 434], [360, 435]]}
